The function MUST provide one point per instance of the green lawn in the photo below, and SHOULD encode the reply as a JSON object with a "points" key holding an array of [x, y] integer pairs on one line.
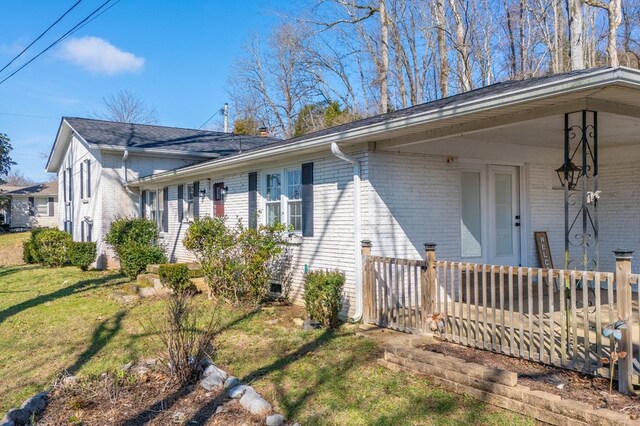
{"points": [[52, 320]]}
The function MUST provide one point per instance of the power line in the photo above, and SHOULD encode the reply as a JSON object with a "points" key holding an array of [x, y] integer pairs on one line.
{"points": [[29, 116], [41, 35], [71, 31]]}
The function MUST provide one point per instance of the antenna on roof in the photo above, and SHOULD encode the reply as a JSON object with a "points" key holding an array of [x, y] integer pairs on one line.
{"points": [[226, 117]]}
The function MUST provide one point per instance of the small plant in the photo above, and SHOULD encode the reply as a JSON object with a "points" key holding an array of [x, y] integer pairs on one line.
{"points": [[82, 254], [323, 296], [53, 247], [135, 241], [187, 332], [134, 257], [175, 276], [615, 330]]}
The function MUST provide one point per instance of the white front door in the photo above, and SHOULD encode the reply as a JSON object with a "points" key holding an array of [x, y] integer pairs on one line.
{"points": [[490, 214], [504, 215]]}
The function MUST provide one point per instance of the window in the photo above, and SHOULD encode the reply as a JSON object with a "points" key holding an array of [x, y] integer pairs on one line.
{"points": [[70, 184], [471, 218], [190, 198], [273, 198], [85, 179], [294, 199], [31, 206], [163, 198], [152, 203], [42, 207], [283, 198]]}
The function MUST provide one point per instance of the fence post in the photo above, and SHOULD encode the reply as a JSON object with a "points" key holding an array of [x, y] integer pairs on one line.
{"points": [[366, 281], [623, 305], [428, 284]]}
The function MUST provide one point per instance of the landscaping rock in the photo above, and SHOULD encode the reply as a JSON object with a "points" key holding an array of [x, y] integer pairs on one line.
{"points": [[212, 369], [35, 404], [69, 380], [231, 382], [238, 391], [17, 416], [298, 322], [310, 324], [213, 381], [275, 420], [127, 366], [204, 363], [254, 403], [147, 292]]}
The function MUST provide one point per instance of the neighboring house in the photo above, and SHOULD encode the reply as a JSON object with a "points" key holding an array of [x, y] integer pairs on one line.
{"points": [[34, 205], [474, 173], [95, 160], [5, 203]]}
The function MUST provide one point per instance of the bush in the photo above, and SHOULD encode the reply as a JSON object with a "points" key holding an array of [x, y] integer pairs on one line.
{"points": [[135, 241], [82, 254], [175, 276], [323, 296], [134, 257], [237, 262], [53, 247], [31, 248]]}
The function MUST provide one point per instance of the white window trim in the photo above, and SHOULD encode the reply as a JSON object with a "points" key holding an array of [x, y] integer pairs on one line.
{"points": [[158, 194], [186, 201], [284, 199]]}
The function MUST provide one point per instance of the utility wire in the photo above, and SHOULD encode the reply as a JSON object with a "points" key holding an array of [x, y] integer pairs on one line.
{"points": [[29, 116], [220, 111], [71, 31], [40, 36]]}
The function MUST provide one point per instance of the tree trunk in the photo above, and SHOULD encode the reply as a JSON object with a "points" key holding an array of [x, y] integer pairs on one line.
{"points": [[384, 60], [574, 15], [440, 14]]}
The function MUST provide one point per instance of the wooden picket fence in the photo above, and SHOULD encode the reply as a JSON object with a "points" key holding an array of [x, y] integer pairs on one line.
{"points": [[551, 316]]}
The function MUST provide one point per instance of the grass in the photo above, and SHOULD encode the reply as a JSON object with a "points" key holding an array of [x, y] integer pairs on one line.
{"points": [[11, 248], [56, 320]]}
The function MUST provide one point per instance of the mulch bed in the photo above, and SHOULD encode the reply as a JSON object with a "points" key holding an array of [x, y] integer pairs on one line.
{"points": [[566, 383], [129, 400]]}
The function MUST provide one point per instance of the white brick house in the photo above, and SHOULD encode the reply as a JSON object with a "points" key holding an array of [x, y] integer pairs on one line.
{"points": [[474, 173]]}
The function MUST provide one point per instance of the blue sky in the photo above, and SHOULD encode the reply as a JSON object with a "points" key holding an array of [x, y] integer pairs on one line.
{"points": [[176, 55]]}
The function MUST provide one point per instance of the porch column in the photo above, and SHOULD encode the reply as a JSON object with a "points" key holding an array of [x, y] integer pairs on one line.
{"points": [[367, 281], [428, 284], [624, 299]]}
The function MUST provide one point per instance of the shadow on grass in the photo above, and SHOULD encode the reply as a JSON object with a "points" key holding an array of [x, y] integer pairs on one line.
{"points": [[105, 331], [80, 286], [9, 270]]}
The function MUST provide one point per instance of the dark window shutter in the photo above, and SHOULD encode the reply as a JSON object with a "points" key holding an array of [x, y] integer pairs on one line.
{"points": [[180, 201], [81, 181], [89, 231], [82, 225], [196, 200], [32, 206], [88, 179], [253, 200], [143, 204], [70, 173], [165, 211], [51, 206], [307, 200], [64, 184]]}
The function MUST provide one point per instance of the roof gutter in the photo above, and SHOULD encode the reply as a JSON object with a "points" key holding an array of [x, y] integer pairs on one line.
{"points": [[591, 80], [357, 226]]}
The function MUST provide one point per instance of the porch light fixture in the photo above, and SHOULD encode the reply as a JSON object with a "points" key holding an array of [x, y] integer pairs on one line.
{"points": [[573, 175]]}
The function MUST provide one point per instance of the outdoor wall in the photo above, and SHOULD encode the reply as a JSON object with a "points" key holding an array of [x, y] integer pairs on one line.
{"points": [[331, 246], [20, 212]]}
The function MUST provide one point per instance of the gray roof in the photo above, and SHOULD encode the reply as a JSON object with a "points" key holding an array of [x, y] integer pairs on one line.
{"points": [[46, 188], [144, 136], [486, 91]]}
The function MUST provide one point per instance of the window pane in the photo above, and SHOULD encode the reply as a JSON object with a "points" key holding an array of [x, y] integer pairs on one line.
{"points": [[504, 213], [471, 219], [273, 213], [294, 186], [273, 187], [42, 206], [295, 215]]}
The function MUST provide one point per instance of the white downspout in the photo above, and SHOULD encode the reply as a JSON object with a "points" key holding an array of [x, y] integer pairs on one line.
{"points": [[357, 225]]}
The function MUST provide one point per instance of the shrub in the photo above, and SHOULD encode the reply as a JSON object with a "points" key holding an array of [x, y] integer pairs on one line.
{"points": [[323, 296], [237, 262], [53, 247], [175, 276], [135, 241], [134, 257], [31, 248], [82, 254]]}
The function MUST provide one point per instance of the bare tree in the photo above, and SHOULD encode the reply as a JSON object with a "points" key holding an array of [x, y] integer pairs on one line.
{"points": [[17, 178], [614, 13], [127, 107], [439, 13], [574, 14], [459, 9]]}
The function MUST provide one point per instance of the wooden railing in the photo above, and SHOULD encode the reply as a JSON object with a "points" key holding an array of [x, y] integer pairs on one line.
{"points": [[544, 315]]}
